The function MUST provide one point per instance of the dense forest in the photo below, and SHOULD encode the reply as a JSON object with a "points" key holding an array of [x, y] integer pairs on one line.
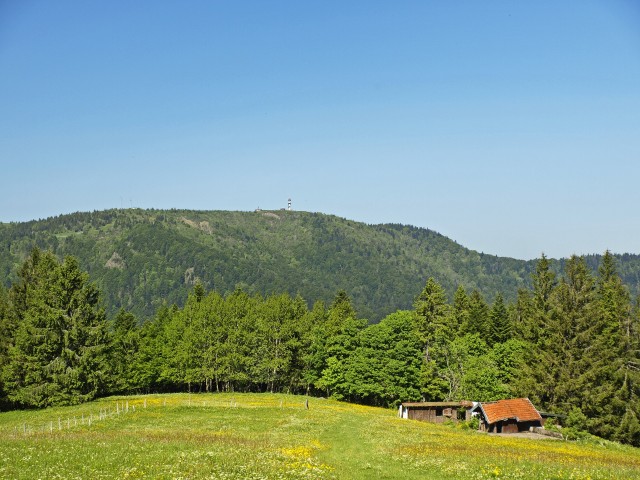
{"points": [[570, 342], [140, 259]]}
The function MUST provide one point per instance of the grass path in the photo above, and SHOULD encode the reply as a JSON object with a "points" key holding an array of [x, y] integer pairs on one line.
{"points": [[262, 436]]}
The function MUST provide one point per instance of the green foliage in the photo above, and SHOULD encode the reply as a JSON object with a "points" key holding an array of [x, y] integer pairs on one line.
{"points": [[385, 366], [478, 319], [472, 424], [509, 358], [6, 335], [576, 425], [499, 323], [571, 341], [482, 380], [125, 345], [142, 258], [434, 326], [58, 351], [580, 353], [461, 310], [432, 315], [239, 436], [454, 357]]}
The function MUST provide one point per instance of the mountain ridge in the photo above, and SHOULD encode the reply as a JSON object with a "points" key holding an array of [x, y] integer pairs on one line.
{"points": [[143, 258]]}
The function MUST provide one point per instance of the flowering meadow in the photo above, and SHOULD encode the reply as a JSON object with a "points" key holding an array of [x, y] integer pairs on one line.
{"points": [[275, 436]]}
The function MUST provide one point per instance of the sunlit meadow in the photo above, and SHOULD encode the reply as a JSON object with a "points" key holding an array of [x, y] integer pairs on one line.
{"points": [[263, 436]]}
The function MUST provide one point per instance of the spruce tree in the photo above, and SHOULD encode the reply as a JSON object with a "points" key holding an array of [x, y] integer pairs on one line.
{"points": [[534, 325], [433, 329], [460, 311], [478, 320], [544, 283], [522, 315], [125, 342], [605, 378], [628, 431], [59, 352], [432, 315], [569, 330], [6, 337], [500, 324]]}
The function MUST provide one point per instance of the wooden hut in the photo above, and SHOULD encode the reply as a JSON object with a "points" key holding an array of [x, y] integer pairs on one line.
{"points": [[436, 412], [507, 416]]}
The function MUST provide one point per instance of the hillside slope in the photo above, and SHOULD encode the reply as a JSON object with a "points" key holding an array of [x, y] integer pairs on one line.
{"points": [[142, 258], [265, 436]]}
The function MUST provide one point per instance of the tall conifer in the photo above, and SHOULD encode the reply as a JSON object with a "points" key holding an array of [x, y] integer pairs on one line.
{"points": [[460, 310], [568, 341], [604, 376], [59, 352], [500, 325], [478, 320]]}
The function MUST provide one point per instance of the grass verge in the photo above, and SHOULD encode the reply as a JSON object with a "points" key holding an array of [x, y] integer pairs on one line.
{"points": [[264, 436]]}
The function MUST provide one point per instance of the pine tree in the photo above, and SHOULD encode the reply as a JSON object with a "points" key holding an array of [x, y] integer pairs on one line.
{"points": [[125, 342], [604, 376], [537, 379], [7, 332], [340, 309], [59, 352], [433, 328], [478, 320], [432, 315], [461, 308], [500, 323], [544, 283], [629, 429], [522, 315], [569, 339]]}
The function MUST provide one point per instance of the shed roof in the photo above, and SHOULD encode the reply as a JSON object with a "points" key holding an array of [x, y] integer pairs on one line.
{"points": [[521, 409], [462, 403]]}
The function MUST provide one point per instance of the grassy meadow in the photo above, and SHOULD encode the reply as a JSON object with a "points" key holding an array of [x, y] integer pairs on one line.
{"points": [[264, 436]]}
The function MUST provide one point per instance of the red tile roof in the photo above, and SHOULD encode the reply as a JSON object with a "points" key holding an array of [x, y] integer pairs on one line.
{"points": [[519, 408]]}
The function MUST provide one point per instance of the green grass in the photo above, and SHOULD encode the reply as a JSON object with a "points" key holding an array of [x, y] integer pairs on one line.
{"points": [[253, 436]]}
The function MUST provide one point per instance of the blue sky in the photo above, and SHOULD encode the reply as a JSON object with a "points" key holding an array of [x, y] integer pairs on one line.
{"points": [[510, 127]]}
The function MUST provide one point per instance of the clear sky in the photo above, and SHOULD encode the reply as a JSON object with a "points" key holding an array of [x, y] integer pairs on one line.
{"points": [[511, 127]]}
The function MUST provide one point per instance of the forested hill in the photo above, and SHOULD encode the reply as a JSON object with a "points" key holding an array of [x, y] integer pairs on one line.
{"points": [[142, 258]]}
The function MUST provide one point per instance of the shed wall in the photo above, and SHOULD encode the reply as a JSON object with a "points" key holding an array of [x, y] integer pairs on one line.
{"points": [[430, 414]]}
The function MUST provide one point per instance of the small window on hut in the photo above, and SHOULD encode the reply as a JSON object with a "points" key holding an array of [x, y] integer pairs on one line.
{"points": [[438, 411]]}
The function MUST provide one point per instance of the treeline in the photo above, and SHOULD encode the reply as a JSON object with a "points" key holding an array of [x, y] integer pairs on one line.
{"points": [[142, 258], [571, 343], [138, 258]]}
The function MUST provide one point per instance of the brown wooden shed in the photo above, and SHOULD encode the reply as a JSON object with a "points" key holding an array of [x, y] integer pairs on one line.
{"points": [[507, 416], [436, 412]]}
